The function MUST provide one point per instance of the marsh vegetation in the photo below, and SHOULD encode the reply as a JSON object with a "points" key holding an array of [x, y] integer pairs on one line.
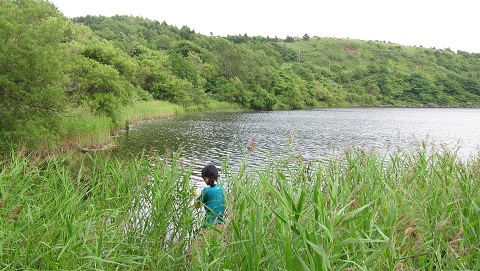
{"points": [[363, 211]]}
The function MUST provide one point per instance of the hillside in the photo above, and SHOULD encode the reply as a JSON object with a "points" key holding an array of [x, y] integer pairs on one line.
{"points": [[393, 74], [52, 67], [305, 72]]}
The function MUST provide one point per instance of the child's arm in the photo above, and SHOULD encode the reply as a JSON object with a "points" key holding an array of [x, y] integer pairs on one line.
{"points": [[197, 201]]}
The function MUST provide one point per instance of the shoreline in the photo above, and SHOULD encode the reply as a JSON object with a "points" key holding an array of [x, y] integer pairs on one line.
{"points": [[139, 112], [102, 139]]}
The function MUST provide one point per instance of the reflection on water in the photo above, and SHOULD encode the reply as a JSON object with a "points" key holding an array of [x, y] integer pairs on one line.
{"points": [[310, 134]]}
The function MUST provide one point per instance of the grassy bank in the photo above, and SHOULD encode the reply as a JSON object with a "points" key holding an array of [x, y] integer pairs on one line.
{"points": [[81, 129], [415, 211]]}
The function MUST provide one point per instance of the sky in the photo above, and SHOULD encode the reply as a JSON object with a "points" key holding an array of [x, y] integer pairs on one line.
{"points": [[429, 23]]}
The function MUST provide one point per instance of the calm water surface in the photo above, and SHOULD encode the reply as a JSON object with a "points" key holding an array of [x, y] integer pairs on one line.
{"points": [[312, 134]]}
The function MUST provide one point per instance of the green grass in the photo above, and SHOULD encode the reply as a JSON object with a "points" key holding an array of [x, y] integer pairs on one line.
{"points": [[81, 129], [365, 211], [85, 214], [149, 110], [213, 105]]}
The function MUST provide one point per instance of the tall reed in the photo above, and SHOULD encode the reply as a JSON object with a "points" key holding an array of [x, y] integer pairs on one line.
{"points": [[405, 211], [364, 211], [82, 129], [149, 110], [90, 214]]}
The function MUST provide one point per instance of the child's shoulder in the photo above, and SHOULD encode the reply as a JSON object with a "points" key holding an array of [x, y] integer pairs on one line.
{"points": [[214, 188]]}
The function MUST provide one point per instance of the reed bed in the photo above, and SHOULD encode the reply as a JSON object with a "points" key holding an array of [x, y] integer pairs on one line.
{"points": [[212, 106], [149, 110], [82, 129], [364, 211]]}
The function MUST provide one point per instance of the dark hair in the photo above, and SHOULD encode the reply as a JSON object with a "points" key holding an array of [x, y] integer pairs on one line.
{"points": [[211, 172]]}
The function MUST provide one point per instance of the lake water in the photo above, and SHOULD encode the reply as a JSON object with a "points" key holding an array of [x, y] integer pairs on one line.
{"points": [[319, 134]]}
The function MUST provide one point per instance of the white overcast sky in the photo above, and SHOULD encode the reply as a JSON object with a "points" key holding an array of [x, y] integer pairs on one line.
{"points": [[429, 23]]}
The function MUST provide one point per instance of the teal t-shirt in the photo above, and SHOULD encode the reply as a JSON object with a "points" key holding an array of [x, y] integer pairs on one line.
{"points": [[213, 200]]}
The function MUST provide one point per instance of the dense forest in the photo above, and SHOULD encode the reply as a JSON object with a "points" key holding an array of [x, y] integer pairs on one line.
{"points": [[52, 66]]}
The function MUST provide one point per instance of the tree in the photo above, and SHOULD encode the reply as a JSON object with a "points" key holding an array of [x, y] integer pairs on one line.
{"points": [[31, 71], [419, 87], [180, 91], [229, 59], [185, 47], [289, 39], [186, 33], [183, 68], [101, 76], [101, 87]]}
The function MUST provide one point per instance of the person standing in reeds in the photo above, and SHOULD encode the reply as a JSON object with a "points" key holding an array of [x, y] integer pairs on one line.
{"points": [[213, 199]]}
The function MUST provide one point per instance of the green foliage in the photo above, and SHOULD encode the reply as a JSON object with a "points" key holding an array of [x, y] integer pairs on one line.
{"points": [[100, 86], [351, 72], [105, 53], [179, 91], [229, 58], [289, 39], [84, 213], [31, 71], [182, 68], [49, 64], [366, 211]]}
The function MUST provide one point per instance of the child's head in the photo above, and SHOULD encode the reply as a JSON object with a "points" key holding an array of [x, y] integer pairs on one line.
{"points": [[211, 173]]}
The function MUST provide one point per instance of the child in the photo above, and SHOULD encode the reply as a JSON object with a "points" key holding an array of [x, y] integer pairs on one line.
{"points": [[213, 199]]}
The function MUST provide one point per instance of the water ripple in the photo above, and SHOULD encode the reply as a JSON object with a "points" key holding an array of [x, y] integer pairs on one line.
{"points": [[313, 134]]}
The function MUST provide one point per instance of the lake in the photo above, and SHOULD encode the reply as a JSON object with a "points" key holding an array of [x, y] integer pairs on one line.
{"points": [[320, 134]]}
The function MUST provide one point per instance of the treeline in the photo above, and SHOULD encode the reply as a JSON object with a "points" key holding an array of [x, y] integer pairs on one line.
{"points": [[51, 66]]}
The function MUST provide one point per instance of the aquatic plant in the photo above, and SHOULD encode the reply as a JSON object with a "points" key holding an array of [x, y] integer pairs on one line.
{"points": [[362, 211]]}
